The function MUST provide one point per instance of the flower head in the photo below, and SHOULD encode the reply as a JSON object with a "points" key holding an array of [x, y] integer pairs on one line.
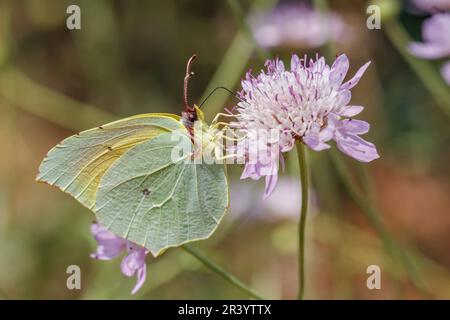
{"points": [[308, 102], [432, 6], [436, 45], [298, 26], [110, 246]]}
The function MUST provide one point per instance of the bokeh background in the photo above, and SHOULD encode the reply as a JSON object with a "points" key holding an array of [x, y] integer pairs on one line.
{"points": [[129, 58]]}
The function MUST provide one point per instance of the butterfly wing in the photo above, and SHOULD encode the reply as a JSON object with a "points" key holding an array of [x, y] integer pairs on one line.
{"points": [[77, 164], [157, 201]]}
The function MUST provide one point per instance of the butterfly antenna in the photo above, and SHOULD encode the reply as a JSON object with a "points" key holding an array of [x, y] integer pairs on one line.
{"points": [[214, 90], [188, 75]]}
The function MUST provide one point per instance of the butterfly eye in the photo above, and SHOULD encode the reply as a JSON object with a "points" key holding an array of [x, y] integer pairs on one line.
{"points": [[192, 117]]}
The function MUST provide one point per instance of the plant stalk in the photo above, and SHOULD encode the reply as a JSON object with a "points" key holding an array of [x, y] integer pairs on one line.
{"points": [[221, 272], [304, 180]]}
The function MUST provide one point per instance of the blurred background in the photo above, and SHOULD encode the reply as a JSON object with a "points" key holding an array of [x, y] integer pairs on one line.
{"points": [[129, 57]]}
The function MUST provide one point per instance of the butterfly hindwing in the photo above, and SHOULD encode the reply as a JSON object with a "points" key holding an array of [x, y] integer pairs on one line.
{"points": [[155, 201]]}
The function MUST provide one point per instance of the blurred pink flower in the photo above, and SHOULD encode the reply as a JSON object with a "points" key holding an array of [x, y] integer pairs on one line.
{"points": [[432, 6], [446, 72], [436, 45], [309, 102], [110, 246], [298, 26], [283, 204]]}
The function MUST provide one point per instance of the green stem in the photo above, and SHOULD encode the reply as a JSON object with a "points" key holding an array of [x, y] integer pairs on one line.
{"points": [[47, 103], [423, 69], [243, 26], [301, 154], [374, 217], [235, 59], [221, 272], [323, 7]]}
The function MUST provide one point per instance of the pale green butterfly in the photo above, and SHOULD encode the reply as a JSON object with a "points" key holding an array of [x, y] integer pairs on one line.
{"points": [[124, 172]]}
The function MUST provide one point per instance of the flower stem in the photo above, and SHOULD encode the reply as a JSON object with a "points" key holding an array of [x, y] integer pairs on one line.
{"points": [[301, 155], [221, 272]]}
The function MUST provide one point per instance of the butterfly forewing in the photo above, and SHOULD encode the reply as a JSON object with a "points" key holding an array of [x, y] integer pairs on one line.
{"points": [[77, 164]]}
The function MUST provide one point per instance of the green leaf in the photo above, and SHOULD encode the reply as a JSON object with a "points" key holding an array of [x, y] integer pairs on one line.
{"points": [[158, 203]]}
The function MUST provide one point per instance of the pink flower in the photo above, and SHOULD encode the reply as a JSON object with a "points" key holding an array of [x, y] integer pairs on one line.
{"points": [[432, 6], [436, 45], [308, 102], [110, 246], [298, 26], [283, 204], [436, 35]]}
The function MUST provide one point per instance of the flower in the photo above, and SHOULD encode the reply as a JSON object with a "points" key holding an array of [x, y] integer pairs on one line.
{"points": [[280, 206], [298, 26], [309, 103], [432, 6], [436, 45], [110, 246]]}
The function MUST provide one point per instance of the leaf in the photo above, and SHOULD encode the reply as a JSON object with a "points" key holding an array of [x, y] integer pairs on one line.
{"points": [[158, 203], [77, 164]]}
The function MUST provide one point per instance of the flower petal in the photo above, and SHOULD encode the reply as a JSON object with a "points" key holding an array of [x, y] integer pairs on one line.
{"points": [[344, 97], [141, 275], [432, 6], [251, 171], [133, 261], [286, 142], [445, 70], [428, 50], [356, 147], [339, 70], [295, 62], [109, 245], [352, 126], [271, 183], [282, 163], [351, 111], [97, 228], [314, 140], [269, 171], [436, 29], [354, 81], [327, 133]]}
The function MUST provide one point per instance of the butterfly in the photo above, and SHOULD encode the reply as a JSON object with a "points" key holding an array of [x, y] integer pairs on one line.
{"points": [[125, 173]]}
